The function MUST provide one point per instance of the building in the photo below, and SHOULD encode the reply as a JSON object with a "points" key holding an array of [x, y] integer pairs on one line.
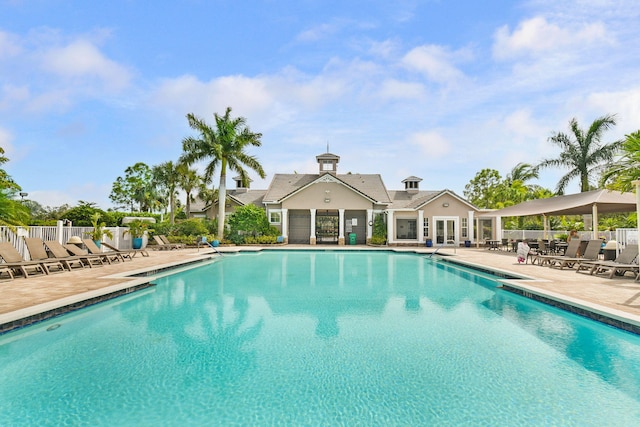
{"points": [[332, 208]]}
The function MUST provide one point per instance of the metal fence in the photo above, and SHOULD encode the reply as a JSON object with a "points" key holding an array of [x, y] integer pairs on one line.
{"points": [[121, 237]]}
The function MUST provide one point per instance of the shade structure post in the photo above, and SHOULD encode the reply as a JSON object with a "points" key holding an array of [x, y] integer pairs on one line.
{"points": [[594, 220], [637, 184]]}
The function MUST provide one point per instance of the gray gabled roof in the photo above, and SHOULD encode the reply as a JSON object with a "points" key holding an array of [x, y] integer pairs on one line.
{"points": [[247, 197], [285, 185], [402, 199]]}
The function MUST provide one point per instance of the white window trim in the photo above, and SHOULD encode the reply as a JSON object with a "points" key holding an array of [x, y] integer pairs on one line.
{"points": [[275, 211]]}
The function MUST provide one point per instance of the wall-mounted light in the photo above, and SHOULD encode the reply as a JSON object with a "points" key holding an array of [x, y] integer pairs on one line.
{"points": [[445, 205]]}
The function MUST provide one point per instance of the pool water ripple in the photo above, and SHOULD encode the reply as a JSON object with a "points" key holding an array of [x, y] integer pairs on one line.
{"points": [[315, 338]]}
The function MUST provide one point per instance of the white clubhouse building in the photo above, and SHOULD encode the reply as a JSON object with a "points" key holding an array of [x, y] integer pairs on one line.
{"points": [[332, 208]]}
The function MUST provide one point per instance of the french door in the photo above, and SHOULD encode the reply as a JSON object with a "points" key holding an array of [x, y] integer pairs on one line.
{"points": [[446, 231]]}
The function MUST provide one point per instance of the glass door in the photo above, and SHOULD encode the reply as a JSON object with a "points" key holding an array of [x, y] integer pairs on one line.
{"points": [[446, 231]]}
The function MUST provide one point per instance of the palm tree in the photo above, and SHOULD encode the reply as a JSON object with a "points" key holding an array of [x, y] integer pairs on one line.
{"points": [[621, 174], [189, 182], [167, 175], [222, 146], [582, 152]]}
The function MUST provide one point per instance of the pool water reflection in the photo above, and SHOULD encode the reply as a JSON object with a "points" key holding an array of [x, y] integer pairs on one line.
{"points": [[321, 338]]}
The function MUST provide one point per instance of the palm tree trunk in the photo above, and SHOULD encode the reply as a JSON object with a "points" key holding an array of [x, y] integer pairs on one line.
{"points": [[172, 205], [222, 198]]}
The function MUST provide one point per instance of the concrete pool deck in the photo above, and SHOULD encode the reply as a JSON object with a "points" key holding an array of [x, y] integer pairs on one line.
{"points": [[617, 298]]}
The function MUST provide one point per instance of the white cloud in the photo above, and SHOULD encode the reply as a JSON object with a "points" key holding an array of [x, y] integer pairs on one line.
{"points": [[9, 45], [435, 62], [432, 144], [624, 104], [536, 36], [395, 89], [83, 59]]}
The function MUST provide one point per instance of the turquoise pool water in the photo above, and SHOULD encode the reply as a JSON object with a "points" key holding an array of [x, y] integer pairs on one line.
{"points": [[320, 338]]}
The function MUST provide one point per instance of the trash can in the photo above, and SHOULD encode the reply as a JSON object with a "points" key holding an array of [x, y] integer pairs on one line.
{"points": [[352, 238], [610, 250], [429, 243], [467, 243]]}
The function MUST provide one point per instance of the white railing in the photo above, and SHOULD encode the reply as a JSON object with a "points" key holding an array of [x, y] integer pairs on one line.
{"points": [[121, 237], [553, 234]]}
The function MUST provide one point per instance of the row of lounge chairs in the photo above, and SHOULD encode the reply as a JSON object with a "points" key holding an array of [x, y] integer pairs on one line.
{"points": [[51, 256], [589, 262]]}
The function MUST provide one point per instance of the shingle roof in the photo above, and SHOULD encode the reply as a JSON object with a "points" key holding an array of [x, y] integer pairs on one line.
{"points": [[248, 197], [370, 186], [401, 199]]}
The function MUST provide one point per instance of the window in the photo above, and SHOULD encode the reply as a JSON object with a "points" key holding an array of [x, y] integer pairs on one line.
{"points": [[464, 227], [327, 165], [425, 226], [275, 217]]}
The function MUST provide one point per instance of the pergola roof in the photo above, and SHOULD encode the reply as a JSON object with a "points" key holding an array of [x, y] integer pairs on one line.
{"points": [[573, 204]]}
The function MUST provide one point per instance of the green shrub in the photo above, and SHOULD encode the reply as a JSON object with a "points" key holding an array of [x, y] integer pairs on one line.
{"points": [[377, 240]]}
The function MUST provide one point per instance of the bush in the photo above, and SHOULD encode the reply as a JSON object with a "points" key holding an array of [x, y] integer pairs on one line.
{"points": [[378, 240], [248, 221]]}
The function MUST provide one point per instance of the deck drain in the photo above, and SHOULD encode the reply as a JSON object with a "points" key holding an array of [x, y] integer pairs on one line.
{"points": [[53, 327]]}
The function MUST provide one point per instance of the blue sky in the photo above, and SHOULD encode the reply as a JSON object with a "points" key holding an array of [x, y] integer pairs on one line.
{"points": [[435, 89]]}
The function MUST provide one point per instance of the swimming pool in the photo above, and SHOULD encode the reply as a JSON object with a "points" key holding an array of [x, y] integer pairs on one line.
{"points": [[320, 338]]}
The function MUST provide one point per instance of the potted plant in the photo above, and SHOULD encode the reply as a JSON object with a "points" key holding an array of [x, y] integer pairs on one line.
{"points": [[137, 229], [99, 229]]}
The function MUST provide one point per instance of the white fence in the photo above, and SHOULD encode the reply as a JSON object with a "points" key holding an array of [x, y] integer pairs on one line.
{"points": [[553, 234], [121, 237], [623, 236]]}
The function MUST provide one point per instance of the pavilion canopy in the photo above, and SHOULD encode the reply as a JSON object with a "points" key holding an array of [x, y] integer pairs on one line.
{"points": [[605, 201]]}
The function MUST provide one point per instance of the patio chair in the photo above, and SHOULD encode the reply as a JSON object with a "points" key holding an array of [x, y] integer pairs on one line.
{"points": [[161, 245], [75, 255], [14, 261], [108, 256], [4, 269], [126, 253], [91, 259], [626, 261], [571, 252], [61, 253], [37, 252], [535, 251], [166, 241], [591, 253]]}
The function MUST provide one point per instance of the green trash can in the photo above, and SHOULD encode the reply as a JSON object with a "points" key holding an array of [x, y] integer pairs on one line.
{"points": [[352, 238]]}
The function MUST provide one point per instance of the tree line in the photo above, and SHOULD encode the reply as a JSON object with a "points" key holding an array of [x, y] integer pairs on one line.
{"points": [[222, 147]]}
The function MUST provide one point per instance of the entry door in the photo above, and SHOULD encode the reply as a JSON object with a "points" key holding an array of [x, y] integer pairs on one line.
{"points": [[446, 231]]}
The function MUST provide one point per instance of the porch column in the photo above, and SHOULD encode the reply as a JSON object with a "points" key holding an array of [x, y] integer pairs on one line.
{"points": [[285, 225], [312, 238], [369, 221], [470, 227], [498, 231], [594, 220], [341, 227], [390, 237], [420, 226]]}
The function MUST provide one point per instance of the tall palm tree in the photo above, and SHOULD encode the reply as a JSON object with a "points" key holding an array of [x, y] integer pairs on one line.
{"points": [[189, 182], [582, 152], [167, 175], [223, 146], [621, 173]]}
